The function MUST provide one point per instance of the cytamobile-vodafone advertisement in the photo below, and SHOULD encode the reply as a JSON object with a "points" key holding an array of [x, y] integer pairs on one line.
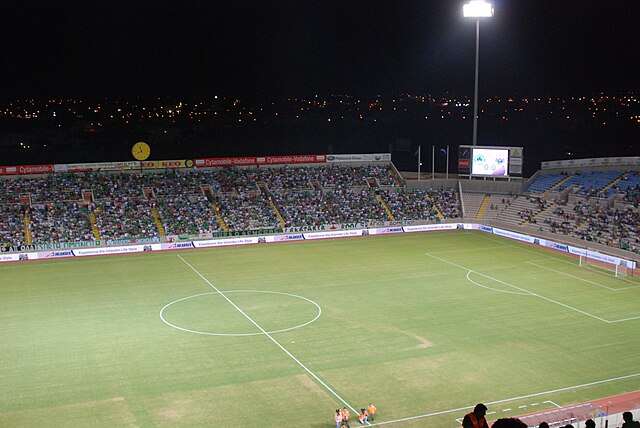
{"points": [[26, 169], [259, 160]]}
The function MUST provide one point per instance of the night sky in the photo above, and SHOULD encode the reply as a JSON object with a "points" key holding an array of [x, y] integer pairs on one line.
{"points": [[298, 48]]}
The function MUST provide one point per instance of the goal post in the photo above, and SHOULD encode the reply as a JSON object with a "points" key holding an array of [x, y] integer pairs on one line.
{"points": [[617, 267]]}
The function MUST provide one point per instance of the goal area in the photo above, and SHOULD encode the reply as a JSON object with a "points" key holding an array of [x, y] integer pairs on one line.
{"points": [[617, 269]]}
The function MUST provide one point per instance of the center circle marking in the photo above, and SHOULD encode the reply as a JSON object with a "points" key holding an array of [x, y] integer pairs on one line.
{"points": [[239, 334]]}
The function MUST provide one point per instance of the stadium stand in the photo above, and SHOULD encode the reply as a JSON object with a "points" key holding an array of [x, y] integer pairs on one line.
{"points": [[545, 182], [594, 206]]}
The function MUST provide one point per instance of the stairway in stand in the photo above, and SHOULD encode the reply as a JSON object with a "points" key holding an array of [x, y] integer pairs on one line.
{"points": [[156, 218], [27, 230], [483, 206], [216, 210], [386, 208], [277, 213], [94, 226]]}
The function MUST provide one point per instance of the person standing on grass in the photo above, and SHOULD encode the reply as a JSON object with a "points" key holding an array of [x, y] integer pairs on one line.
{"points": [[476, 418], [338, 418], [363, 417], [372, 411], [345, 417]]}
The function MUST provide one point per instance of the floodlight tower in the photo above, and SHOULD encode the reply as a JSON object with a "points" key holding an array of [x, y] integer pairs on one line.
{"points": [[477, 9]]}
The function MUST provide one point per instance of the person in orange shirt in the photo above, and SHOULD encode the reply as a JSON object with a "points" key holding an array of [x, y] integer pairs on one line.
{"points": [[363, 417], [476, 418], [372, 411], [338, 418], [345, 417]]}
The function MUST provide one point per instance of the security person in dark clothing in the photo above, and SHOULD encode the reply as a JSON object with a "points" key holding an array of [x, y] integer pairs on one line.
{"points": [[476, 418]]}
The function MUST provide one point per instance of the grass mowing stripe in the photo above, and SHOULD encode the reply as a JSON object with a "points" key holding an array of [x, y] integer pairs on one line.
{"points": [[305, 368]]}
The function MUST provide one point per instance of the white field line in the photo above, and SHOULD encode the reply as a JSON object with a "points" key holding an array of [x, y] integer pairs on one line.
{"points": [[625, 319], [582, 279], [494, 289], [524, 291], [463, 250], [313, 375], [521, 247], [506, 400]]}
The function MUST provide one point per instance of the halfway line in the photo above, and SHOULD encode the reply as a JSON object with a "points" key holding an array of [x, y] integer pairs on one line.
{"points": [[320, 381]]}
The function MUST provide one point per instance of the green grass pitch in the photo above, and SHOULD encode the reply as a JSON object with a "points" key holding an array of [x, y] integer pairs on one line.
{"points": [[281, 335]]}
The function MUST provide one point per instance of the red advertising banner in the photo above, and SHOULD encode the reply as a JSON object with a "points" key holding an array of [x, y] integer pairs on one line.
{"points": [[26, 169], [260, 160], [180, 163], [464, 163]]}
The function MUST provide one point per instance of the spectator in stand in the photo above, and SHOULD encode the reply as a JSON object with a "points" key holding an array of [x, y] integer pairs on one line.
{"points": [[476, 418], [509, 423], [627, 417]]}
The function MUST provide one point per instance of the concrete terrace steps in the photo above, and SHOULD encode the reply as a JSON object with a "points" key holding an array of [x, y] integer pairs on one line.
{"points": [[483, 206], [496, 206], [472, 203]]}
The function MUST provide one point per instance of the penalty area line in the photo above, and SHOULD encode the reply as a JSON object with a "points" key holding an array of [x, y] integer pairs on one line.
{"points": [[531, 293]]}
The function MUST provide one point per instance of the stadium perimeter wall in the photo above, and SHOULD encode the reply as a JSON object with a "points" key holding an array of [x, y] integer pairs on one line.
{"points": [[580, 243], [466, 185], [327, 234]]}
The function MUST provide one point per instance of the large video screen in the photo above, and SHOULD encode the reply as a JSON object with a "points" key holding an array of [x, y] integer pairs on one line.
{"points": [[490, 162]]}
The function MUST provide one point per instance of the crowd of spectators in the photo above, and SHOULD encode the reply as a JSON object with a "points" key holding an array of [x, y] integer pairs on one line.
{"points": [[246, 211], [529, 215], [11, 224], [410, 205], [60, 205], [191, 215], [259, 198], [617, 227], [447, 201], [60, 221], [125, 218]]}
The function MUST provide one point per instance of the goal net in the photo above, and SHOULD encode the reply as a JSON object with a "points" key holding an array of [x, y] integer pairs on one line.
{"points": [[619, 270]]}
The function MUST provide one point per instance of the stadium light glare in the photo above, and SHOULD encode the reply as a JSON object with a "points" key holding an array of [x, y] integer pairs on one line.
{"points": [[477, 9]]}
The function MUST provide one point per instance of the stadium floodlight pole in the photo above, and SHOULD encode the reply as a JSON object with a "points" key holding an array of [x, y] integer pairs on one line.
{"points": [[433, 162], [477, 9], [447, 174], [419, 162]]}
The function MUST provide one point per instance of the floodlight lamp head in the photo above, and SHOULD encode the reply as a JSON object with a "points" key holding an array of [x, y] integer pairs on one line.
{"points": [[477, 9]]}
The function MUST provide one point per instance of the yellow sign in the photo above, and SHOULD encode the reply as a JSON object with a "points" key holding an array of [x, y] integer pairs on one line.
{"points": [[181, 163]]}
